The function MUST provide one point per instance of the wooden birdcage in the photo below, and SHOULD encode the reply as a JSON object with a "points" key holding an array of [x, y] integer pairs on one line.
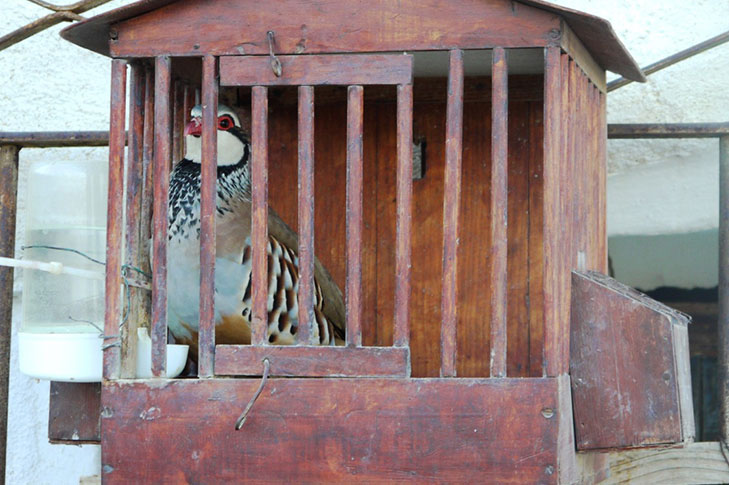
{"points": [[458, 280]]}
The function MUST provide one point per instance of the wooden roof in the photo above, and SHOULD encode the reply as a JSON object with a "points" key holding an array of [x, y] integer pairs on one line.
{"points": [[595, 33]]}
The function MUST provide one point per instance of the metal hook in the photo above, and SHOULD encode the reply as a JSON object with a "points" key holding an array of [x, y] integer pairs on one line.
{"points": [[242, 419], [275, 63]]}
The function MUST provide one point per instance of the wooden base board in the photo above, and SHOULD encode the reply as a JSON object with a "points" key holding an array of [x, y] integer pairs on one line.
{"points": [[693, 464], [331, 430]]}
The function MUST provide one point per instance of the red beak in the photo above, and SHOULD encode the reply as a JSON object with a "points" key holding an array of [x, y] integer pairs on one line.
{"points": [[194, 127]]}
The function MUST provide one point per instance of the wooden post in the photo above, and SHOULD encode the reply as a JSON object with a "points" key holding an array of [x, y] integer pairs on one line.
{"points": [[553, 332], [354, 216], [8, 209], [451, 203], [114, 224], [208, 198], [499, 199], [134, 249], [724, 284], [162, 159], [259, 223], [306, 215], [403, 249]]}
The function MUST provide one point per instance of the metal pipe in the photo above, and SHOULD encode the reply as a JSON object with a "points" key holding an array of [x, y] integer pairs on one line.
{"points": [[723, 323], [8, 205], [667, 130], [673, 59]]}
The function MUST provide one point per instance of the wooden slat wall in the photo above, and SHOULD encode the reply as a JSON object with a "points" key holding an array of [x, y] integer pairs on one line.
{"points": [[379, 214]]}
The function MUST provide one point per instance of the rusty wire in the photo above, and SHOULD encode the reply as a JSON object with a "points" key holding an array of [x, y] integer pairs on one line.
{"points": [[61, 13]]}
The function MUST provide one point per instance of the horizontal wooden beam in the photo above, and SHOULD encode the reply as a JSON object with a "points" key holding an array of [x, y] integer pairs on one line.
{"points": [[317, 70], [314, 361], [695, 463], [331, 430], [47, 139]]}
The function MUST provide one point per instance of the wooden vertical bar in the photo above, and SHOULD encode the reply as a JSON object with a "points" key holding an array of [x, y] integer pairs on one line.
{"points": [[145, 229], [499, 195], [162, 160], [451, 202], [553, 334], [134, 249], [178, 123], [188, 101], [114, 228], [354, 215], [403, 247], [259, 234], [306, 215], [602, 183], [9, 155], [208, 197], [723, 324], [566, 194]]}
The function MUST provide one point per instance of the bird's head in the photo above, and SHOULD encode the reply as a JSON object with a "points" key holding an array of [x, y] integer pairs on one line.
{"points": [[233, 144]]}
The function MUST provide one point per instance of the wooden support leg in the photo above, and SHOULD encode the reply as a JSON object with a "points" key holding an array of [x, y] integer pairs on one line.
{"points": [[8, 199]]}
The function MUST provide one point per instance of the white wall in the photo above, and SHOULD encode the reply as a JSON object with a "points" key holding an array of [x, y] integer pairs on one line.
{"points": [[661, 187]]}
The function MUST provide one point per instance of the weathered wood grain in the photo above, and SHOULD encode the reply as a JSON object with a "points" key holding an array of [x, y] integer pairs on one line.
{"points": [[403, 245], [371, 430], [115, 223], [337, 69], [628, 367], [555, 362], [317, 361], [498, 280], [74, 413], [133, 244], [354, 221], [208, 199], [451, 202], [696, 463], [162, 161], [259, 216], [306, 215], [371, 26]]}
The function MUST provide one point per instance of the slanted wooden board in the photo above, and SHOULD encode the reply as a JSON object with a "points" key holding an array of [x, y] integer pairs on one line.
{"points": [[629, 362], [331, 430]]}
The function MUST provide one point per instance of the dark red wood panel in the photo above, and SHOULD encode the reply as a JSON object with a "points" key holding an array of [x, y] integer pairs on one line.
{"points": [[317, 361], [332, 26], [624, 366], [332, 430], [314, 70], [74, 413]]}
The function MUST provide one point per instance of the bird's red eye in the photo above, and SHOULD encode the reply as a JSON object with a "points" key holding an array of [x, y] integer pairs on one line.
{"points": [[225, 123]]}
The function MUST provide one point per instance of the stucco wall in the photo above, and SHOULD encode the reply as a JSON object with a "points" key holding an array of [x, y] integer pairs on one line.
{"points": [[662, 187]]}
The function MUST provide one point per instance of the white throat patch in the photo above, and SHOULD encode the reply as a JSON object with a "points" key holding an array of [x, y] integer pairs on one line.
{"points": [[230, 148]]}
